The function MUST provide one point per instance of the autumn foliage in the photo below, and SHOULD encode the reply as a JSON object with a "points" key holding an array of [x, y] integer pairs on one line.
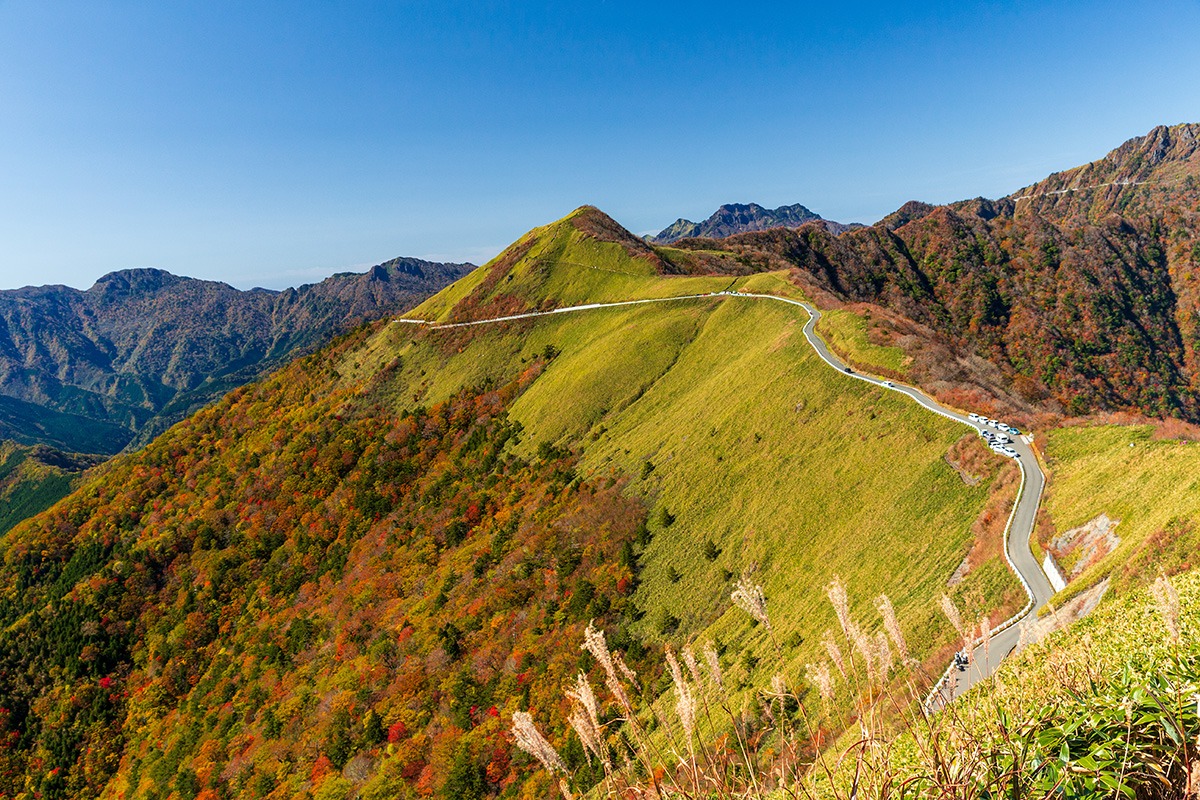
{"points": [[300, 590]]}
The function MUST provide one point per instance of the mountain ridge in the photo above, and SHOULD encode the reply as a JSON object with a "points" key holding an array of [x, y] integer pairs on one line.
{"points": [[734, 218], [1087, 300], [138, 340]]}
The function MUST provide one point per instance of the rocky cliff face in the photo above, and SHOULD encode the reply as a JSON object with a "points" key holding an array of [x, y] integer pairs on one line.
{"points": [[141, 348]]}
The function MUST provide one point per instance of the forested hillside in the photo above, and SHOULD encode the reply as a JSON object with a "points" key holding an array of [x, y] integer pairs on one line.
{"points": [[91, 371], [293, 585], [1082, 289]]}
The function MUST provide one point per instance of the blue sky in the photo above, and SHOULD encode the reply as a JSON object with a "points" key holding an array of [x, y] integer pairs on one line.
{"points": [[274, 143]]}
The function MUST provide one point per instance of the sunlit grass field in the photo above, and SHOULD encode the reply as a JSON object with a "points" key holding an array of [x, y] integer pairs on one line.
{"points": [[755, 456], [1152, 486], [846, 333]]}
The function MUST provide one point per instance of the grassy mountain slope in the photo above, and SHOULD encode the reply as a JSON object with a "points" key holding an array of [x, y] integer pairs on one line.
{"points": [[585, 257], [1140, 475], [730, 396], [345, 577], [1143, 480]]}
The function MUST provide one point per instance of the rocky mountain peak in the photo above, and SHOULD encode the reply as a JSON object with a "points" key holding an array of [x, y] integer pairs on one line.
{"points": [[131, 282], [734, 218]]}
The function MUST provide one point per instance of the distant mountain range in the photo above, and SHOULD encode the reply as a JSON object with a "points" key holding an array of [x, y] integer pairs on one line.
{"points": [[734, 218], [93, 371]]}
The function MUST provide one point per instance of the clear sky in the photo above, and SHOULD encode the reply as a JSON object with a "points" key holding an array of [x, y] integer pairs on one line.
{"points": [[273, 143]]}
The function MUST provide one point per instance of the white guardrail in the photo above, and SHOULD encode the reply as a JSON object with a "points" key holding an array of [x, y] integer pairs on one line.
{"points": [[1015, 618]]}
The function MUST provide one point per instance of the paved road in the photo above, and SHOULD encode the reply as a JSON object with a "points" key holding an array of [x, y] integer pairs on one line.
{"points": [[984, 658]]}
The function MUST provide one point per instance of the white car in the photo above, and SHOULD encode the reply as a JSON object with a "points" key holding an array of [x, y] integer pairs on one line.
{"points": [[889, 384], [1008, 451], [974, 417]]}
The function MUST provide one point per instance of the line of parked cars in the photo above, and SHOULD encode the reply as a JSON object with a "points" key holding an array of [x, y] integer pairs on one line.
{"points": [[1000, 440]]}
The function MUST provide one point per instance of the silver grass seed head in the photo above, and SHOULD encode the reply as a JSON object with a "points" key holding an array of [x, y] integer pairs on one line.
{"points": [[841, 604], [530, 739], [714, 664], [586, 732], [685, 705], [883, 655], [617, 688], [584, 696], [820, 676], [864, 646], [835, 652], [1167, 601], [594, 643], [749, 597], [952, 614], [689, 661], [985, 635], [892, 625]]}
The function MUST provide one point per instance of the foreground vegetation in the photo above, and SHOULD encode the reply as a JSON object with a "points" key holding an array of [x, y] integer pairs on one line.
{"points": [[1107, 708]]}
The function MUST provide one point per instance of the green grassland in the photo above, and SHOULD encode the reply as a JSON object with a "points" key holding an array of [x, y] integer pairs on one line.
{"points": [[770, 463], [1152, 486], [560, 265], [846, 333]]}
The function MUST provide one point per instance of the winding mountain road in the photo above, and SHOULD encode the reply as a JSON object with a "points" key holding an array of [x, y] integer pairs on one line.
{"points": [[985, 656]]}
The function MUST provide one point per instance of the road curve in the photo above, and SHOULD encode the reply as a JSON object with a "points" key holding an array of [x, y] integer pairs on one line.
{"points": [[986, 656]]}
